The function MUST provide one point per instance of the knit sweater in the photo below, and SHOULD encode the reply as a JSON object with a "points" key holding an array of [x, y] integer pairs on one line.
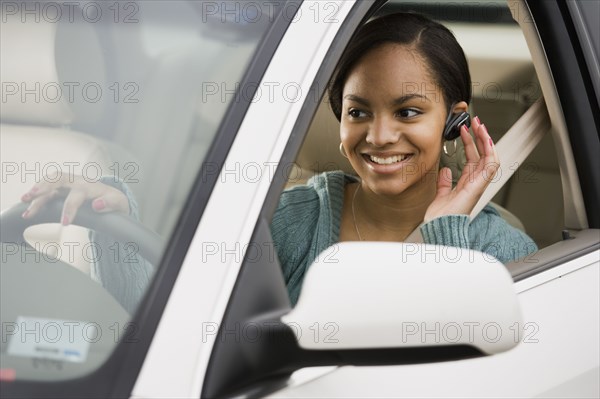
{"points": [[117, 266], [307, 221]]}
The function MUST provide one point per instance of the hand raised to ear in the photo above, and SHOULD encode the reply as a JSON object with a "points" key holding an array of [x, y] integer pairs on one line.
{"points": [[481, 167]]}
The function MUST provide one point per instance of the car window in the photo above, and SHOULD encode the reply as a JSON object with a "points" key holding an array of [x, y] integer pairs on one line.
{"points": [[126, 94], [504, 86]]}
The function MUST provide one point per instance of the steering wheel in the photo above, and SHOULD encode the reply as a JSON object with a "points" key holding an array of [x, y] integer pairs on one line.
{"points": [[118, 226], [52, 291]]}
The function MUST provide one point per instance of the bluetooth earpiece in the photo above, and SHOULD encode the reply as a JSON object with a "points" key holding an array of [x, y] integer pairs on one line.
{"points": [[453, 124]]}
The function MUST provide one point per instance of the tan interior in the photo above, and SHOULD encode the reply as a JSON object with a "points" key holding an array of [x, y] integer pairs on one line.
{"points": [[154, 144], [35, 140]]}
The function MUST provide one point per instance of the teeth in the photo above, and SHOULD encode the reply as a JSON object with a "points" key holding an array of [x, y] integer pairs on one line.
{"points": [[390, 160]]}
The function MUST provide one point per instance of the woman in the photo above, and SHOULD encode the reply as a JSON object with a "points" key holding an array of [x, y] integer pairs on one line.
{"points": [[393, 91]]}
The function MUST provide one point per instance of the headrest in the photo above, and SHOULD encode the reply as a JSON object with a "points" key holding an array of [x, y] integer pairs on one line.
{"points": [[45, 65], [320, 151], [30, 86]]}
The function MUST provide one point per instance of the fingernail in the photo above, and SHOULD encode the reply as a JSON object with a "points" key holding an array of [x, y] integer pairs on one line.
{"points": [[25, 214], [491, 142], [34, 190], [25, 197], [65, 220], [477, 119], [99, 204]]}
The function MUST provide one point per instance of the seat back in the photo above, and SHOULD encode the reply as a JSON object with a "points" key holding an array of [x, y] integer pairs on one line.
{"points": [[36, 141]]}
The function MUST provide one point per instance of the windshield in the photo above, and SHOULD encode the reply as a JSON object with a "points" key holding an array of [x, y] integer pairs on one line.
{"points": [[124, 96]]}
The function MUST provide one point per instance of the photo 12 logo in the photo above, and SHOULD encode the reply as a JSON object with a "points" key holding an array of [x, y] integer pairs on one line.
{"points": [[70, 92], [68, 171], [252, 12], [468, 332], [70, 11]]}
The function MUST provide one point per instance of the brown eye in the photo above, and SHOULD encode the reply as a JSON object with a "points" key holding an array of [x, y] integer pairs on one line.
{"points": [[409, 113], [356, 113]]}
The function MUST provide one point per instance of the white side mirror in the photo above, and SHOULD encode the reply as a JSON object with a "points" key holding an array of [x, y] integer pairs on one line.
{"points": [[400, 295]]}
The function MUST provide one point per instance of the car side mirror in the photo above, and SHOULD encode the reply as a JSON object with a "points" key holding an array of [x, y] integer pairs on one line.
{"points": [[364, 304], [370, 295]]}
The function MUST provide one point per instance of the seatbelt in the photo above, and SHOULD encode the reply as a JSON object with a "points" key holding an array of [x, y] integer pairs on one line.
{"points": [[513, 148]]}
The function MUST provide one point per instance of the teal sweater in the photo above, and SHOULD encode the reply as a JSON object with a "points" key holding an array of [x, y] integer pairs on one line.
{"points": [[307, 221]]}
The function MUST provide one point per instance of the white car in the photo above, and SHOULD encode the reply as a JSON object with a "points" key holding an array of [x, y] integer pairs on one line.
{"points": [[207, 110]]}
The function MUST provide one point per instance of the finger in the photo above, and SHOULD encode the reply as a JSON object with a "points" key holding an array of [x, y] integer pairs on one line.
{"points": [[444, 184], [111, 201], [73, 202], [475, 122], [489, 151], [490, 161], [481, 137], [490, 148], [30, 194], [49, 183], [469, 144], [38, 203], [39, 189]]}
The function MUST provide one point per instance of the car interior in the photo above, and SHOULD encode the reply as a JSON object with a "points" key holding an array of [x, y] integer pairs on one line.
{"points": [[160, 110], [140, 99], [101, 107]]}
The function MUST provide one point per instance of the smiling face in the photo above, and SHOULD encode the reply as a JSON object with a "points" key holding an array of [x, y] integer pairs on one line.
{"points": [[393, 115]]}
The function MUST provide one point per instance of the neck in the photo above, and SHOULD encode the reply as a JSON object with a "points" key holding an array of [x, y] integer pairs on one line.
{"points": [[391, 218]]}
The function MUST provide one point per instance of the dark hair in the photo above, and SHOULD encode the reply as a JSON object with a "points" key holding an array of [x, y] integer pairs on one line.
{"points": [[432, 41]]}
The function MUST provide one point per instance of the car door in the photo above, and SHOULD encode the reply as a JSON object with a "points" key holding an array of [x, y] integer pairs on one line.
{"points": [[558, 287], [554, 285]]}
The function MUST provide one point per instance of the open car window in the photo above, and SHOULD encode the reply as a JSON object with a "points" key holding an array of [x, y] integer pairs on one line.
{"points": [[504, 87]]}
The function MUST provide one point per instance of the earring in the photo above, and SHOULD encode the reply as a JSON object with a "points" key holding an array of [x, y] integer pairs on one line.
{"points": [[343, 151], [446, 150]]}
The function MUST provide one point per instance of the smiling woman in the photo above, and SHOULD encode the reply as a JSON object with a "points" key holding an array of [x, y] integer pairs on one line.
{"points": [[396, 86]]}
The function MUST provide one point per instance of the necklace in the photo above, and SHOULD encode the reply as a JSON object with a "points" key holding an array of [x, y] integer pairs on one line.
{"points": [[354, 213], [356, 225]]}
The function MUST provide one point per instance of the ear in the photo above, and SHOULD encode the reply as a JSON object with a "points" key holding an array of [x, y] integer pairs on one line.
{"points": [[460, 107]]}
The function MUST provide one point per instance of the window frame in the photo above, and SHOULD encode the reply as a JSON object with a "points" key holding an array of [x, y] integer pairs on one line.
{"points": [[566, 84], [219, 372], [574, 90]]}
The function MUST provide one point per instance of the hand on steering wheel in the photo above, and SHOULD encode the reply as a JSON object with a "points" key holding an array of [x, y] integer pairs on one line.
{"points": [[77, 190], [119, 227]]}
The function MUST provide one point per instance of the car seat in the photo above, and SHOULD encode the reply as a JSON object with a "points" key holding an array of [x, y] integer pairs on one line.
{"points": [[36, 138]]}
